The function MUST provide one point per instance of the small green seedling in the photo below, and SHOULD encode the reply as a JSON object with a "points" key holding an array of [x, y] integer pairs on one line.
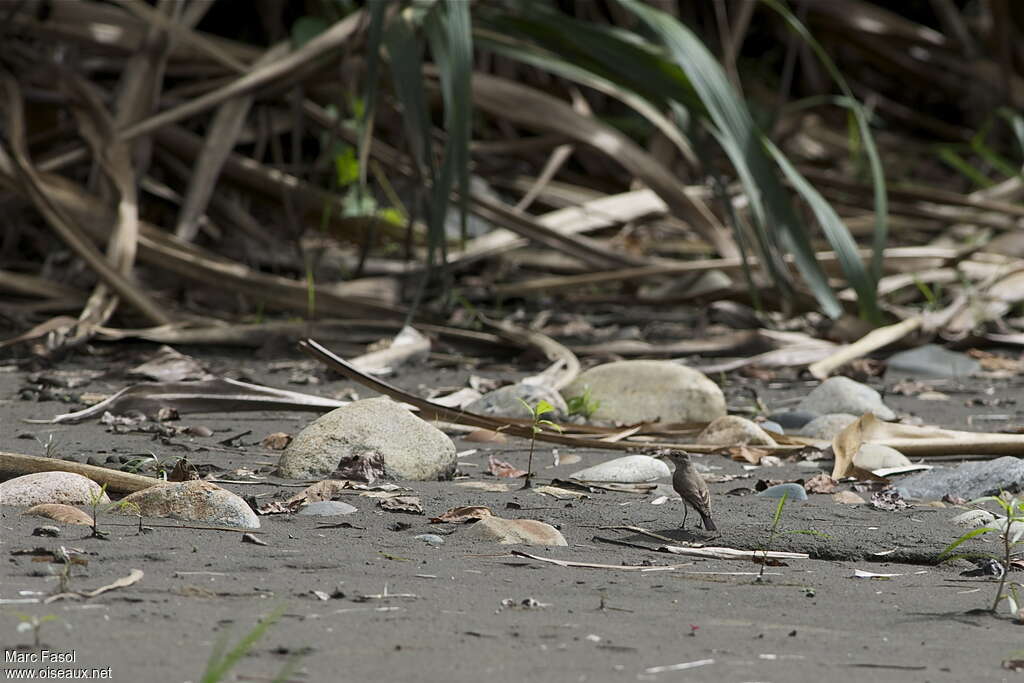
{"points": [[51, 447], [95, 498], [584, 405], [221, 662], [30, 622], [773, 531], [1010, 529], [129, 507], [536, 413]]}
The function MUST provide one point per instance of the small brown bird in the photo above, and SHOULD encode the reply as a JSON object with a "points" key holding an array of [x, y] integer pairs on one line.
{"points": [[691, 486]]}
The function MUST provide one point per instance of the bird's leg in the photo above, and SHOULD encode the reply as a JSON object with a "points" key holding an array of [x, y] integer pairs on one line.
{"points": [[686, 511]]}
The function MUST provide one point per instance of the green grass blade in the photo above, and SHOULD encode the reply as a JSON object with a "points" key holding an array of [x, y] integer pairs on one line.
{"points": [[220, 663], [838, 236], [451, 40], [778, 509], [406, 51], [867, 140], [374, 41], [533, 55], [973, 533], [733, 126], [953, 159]]}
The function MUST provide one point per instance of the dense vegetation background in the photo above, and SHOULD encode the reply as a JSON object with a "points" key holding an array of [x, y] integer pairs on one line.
{"points": [[182, 164]]}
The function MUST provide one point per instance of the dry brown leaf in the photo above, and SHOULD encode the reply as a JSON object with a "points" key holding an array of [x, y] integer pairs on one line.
{"points": [[169, 365], [60, 513], [277, 441], [360, 467], [503, 469], [183, 471], [408, 504], [322, 490], [820, 483], [466, 513], [747, 454], [993, 363]]}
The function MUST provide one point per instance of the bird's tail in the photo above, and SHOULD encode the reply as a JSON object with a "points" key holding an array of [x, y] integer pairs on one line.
{"points": [[709, 524]]}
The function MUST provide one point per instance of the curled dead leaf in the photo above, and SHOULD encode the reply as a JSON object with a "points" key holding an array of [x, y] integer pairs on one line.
{"points": [[408, 504], [820, 483], [277, 441], [503, 469], [748, 454], [466, 513]]}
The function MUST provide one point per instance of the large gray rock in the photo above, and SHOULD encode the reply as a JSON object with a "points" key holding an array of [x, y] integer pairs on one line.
{"points": [[633, 391], [732, 430], [196, 501], [630, 469], [506, 402], [969, 480], [50, 487], [376, 430], [931, 360], [827, 426], [844, 395]]}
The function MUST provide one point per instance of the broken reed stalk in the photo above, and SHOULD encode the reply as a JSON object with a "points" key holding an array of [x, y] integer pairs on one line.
{"points": [[16, 465]]}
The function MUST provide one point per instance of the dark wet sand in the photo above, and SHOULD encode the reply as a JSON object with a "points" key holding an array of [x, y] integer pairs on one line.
{"points": [[403, 610]]}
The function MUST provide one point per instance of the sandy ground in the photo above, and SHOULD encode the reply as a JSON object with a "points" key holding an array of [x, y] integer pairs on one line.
{"points": [[399, 609]]}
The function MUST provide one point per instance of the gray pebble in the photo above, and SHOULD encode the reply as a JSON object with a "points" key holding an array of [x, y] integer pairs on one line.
{"points": [[432, 539], [794, 491], [843, 395], [793, 419], [327, 508]]}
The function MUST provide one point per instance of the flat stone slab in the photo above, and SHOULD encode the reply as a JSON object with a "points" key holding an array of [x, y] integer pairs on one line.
{"points": [[931, 360], [969, 480]]}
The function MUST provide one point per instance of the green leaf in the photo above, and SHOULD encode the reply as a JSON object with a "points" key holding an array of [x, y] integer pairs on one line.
{"points": [[449, 31], [881, 198], [551, 424], [973, 533], [543, 407], [778, 509], [948, 155], [778, 229], [346, 167], [838, 236]]}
